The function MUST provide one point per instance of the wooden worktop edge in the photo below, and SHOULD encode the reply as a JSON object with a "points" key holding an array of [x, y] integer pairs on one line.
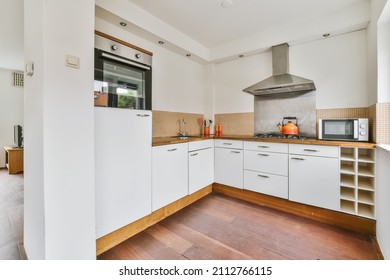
{"points": [[160, 141]]}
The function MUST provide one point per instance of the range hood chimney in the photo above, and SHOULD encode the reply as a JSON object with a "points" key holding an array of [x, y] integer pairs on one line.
{"points": [[281, 81]]}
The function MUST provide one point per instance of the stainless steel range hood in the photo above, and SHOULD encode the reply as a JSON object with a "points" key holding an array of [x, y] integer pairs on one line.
{"points": [[281, 81]]}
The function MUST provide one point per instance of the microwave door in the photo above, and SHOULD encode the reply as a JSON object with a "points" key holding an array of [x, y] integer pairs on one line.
{"points": [[338, 129]]}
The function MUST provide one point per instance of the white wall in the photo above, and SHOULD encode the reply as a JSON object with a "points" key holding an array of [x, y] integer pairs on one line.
{"points": [[233, 76], [336, 64], [382, 196], [11, 110], [372, 49], [178, 82], [59, 131], [384, 55]]}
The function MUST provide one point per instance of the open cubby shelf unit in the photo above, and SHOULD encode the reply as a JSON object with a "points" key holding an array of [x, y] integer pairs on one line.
{"points": [[357, 181]]}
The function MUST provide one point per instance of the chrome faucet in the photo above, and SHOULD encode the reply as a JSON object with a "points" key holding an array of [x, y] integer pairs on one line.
{"points": [[183, 131]]}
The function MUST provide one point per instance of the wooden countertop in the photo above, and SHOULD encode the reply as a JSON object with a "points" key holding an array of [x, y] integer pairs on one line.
{"points": [[160, 141]]}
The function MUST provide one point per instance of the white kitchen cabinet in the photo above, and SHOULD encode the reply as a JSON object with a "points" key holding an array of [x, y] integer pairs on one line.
{"points": [[357, 181], [268, 162], [123, 148], [315, 180], [229, 165], [266, 168], [169, 174], [265, 183], [200, 165]]}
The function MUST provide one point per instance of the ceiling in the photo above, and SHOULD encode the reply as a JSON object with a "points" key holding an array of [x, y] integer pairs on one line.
{"points": [[207, 22], [210, 32]]}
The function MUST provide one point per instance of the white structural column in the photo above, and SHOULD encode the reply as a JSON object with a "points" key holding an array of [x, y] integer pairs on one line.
{"points": [[59, 130]]}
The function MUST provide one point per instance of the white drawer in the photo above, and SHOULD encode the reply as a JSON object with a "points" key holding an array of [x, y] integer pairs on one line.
{"points": [[314, 150], [226, 143], [274, 163], [269, 184], [199, 145], [266, 146]]}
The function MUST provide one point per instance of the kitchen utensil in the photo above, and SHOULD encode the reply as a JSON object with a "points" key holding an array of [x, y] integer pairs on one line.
{"points": [[288, 127]]}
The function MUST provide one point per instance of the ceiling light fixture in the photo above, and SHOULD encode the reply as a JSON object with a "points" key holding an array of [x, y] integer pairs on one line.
{"points": [[188, 55], [240, 55], [226, 3], [123, 23], [326, 35], [161, 42]]}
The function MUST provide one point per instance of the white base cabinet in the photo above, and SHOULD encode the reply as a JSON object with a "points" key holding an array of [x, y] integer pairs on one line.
{"points": [[122, 167], [229, 163], [266, 168], [200, 165], [314, 180], [169, 174]]}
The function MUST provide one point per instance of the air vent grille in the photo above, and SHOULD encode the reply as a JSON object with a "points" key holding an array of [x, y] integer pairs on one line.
{"points": [[17, 79]]}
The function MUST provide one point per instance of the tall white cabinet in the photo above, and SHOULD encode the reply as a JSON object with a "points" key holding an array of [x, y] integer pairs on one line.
{"points": [[123, 149]]}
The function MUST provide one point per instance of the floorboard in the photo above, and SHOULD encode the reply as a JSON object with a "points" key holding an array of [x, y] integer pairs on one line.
{"points": [[218, 227], [11, 215]]}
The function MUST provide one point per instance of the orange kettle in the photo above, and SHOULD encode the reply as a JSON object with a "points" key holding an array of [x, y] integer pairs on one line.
{"points": [[289, 127]]}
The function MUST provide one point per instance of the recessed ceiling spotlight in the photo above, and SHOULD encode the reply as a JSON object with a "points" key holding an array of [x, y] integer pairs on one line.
{"points": [[188, 55], [161, 42], [226, 3], [123, 23], [326, 35], [240, 55]]}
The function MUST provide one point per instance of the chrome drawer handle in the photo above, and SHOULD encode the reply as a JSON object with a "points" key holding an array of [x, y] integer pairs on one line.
{"points": [[143, 115], [263, 155], [228, 144], [310, 150], [264, 147], [235, 152], [194, 154], [172, 150], [263, 176], [298, 158]]}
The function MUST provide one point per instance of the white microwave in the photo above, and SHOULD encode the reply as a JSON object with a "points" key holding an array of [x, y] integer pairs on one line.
{"points": [[343, 129]]}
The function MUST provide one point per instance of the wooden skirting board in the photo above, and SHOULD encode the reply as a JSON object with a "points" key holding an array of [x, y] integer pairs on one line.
{"points": [[114, 238], [340, 219], [343, 220]]}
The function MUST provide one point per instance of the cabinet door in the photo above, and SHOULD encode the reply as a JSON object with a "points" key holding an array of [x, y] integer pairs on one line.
{"points": [[201, 169], [229, 167], [314, 181], [123, 148], [169, 174]]}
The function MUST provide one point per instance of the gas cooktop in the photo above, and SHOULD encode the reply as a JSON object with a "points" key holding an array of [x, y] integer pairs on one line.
{"points": [[279, 136]]}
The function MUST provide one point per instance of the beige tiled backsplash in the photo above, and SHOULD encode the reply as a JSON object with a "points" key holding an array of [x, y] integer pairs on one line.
{"points": [[168, 123], [236, 123], [382, 123]]}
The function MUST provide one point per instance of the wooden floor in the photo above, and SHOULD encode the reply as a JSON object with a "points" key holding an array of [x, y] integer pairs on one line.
{"points": [[222, 228], [11, 215]]}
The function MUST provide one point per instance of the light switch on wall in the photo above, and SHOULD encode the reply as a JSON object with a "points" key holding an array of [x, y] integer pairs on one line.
{"points": [[72, 61]]}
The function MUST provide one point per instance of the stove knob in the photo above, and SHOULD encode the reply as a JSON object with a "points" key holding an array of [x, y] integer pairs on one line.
{"points": [[138, 56], [114, 47]]}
